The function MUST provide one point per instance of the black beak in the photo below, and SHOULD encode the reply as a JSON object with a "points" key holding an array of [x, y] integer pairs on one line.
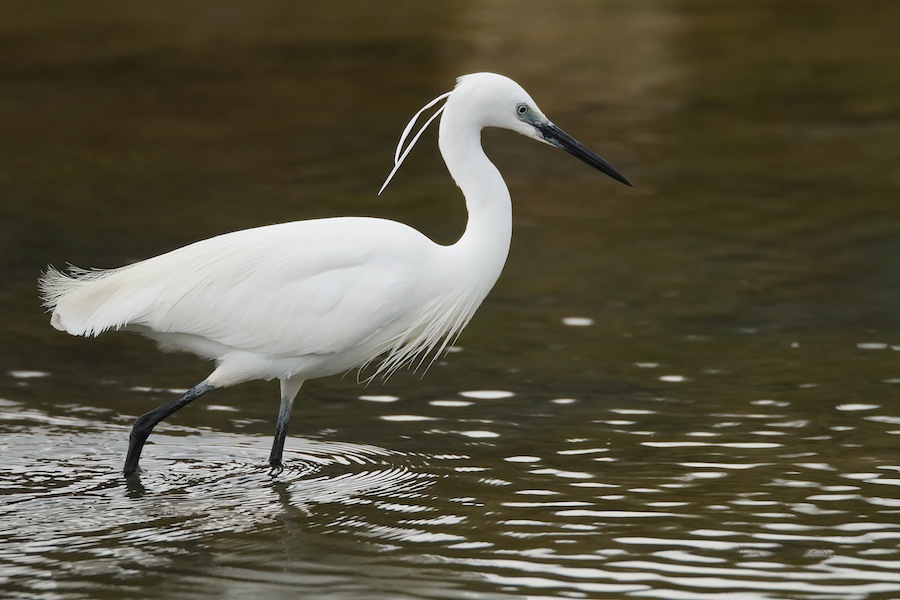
{"points": [[559, 138]]}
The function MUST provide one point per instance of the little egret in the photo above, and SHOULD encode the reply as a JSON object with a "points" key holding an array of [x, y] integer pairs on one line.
{"points": [[307, 299]]}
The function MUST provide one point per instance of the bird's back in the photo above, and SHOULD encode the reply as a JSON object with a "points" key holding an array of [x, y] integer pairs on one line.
{"points": [[320, 287]]}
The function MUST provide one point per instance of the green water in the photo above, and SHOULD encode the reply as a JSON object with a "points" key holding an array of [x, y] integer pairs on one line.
{"points": [[687, 389]]}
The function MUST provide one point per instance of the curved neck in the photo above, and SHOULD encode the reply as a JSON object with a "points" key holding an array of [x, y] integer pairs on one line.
{"points": [[489, 228]]}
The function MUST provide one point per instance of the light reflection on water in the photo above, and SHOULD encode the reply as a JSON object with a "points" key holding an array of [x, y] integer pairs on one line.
{"points": [[619, 506]]}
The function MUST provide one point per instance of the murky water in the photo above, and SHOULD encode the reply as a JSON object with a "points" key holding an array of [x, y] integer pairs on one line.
{"points": [[684, 390]]}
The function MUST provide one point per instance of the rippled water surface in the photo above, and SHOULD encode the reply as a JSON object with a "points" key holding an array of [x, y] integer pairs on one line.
{"points": [[683, 390]]}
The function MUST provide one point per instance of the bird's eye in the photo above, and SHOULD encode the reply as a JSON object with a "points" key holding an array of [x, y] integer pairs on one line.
{"points": [[522, 109]]}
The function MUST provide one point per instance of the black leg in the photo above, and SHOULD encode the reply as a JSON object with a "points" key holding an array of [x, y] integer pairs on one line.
{"points": [[145, 423], [284, 417], [289, 389]]}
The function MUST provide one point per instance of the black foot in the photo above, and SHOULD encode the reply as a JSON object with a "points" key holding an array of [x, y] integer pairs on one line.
{"points": [[275, 467], [139, 435]]}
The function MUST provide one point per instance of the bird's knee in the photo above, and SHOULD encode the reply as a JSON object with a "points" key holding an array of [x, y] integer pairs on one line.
{"points": [[143, 425]]}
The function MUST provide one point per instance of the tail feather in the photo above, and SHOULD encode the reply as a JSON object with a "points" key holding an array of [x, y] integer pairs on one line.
{"points": [[77, 298]]}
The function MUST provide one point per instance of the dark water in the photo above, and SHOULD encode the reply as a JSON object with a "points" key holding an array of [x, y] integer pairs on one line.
{"points": [[684, 390]]}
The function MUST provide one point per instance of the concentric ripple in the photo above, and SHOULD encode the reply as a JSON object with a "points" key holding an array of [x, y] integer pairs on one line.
{"points": [[66, 506]]}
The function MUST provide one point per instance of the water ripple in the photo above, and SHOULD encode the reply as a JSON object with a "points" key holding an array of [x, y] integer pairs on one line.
{"points": [[596, 513]]}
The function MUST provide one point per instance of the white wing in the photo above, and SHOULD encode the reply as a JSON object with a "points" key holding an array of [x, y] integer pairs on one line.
{"points": [[309, 287]]}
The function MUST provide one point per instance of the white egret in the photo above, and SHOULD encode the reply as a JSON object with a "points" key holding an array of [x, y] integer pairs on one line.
{"points": [[307, 299]]}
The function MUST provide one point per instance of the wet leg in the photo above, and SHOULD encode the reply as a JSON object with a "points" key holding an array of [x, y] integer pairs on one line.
{"points": [[145, 423], [289, 390]]}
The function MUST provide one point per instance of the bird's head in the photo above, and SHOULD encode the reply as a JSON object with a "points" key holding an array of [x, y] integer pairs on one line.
{"points": [[490, 100], [497, 101]]}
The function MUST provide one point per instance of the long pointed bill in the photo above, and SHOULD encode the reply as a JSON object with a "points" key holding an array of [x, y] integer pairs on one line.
{"points": [[559, 138]]}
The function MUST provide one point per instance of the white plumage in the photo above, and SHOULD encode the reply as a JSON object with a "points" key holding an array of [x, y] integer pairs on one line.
{"points": [[314, 298], [269, 302]]}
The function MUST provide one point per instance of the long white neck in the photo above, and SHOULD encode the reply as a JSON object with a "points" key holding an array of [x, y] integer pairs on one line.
{"points": [[463, 273], [485, 243]]}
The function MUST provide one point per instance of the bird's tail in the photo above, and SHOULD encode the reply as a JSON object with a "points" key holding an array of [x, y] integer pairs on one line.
{"points": [[76, 299]]}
